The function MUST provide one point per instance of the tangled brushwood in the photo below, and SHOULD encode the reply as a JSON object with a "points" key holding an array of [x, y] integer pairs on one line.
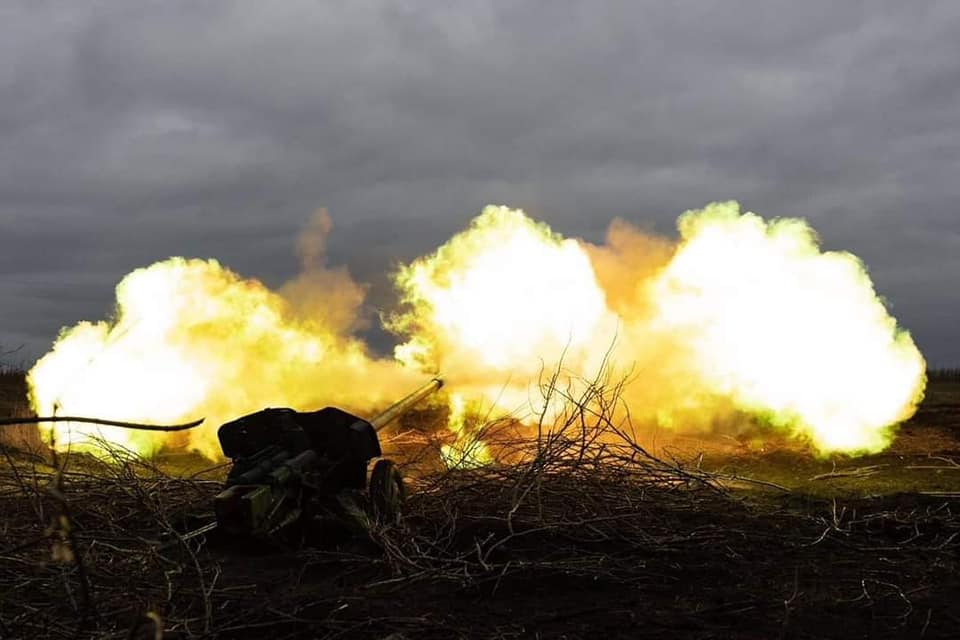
{"points": [[581, 533]]}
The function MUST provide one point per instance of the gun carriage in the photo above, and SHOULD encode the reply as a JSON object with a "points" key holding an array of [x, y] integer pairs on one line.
{"points": [[292, 466]]}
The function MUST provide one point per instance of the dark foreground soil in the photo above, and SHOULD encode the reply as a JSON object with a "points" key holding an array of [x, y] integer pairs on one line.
{"points": [[574, 543]]}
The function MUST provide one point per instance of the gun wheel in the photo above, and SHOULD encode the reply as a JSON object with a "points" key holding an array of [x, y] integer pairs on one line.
{"points": [[387, 492]]}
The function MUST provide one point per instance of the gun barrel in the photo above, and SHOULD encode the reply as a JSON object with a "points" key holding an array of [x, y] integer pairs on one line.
{"points": [[404, 405]]}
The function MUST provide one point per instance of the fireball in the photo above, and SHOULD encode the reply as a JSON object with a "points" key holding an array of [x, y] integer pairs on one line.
{"points": [[739, 319], [193, 339]]}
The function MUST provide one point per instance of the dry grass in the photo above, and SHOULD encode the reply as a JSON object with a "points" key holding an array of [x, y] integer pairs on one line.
{"points": [[584, 534], [13, 403]]}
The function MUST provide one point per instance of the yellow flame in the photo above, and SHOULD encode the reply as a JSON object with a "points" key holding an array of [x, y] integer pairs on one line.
{"points": [[497, 299], [493, 308], [787, 331], [742, 316], [193, 339], [468, 450]]}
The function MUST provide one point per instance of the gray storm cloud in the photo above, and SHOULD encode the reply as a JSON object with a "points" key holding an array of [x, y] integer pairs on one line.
{"points": [[131, 133]]}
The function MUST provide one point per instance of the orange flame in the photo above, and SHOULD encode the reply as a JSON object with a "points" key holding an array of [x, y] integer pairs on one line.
{"points": [[193, 339], [741, 317]]}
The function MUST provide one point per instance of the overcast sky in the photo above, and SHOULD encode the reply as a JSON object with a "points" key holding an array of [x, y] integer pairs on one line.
{"points": [[132, 131]]}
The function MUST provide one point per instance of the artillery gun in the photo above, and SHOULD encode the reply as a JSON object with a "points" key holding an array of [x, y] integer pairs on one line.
{"points": [[294, 467]]}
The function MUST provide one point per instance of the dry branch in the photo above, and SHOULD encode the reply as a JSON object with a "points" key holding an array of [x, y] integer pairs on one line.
{"points": [[583, 533]]}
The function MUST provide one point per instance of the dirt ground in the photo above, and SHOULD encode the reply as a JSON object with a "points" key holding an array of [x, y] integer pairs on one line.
{"points": [[711, 539]]}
